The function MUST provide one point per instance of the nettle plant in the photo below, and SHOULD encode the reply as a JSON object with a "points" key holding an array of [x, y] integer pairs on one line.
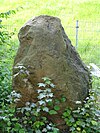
{"points": [[30, 118]]}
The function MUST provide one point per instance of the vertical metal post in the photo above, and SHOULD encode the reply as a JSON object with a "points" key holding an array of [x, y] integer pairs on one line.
{"points": [[77, 26]]}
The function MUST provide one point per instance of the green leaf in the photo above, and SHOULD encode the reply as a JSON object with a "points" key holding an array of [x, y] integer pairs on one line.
{"points": [[74, 125], [6, 119], [18, 126], [38, 131], [78, 129], [48, 100], [69, 123], [72, 129], [27, 113], [52, 85], [48, 82], [55, 130], [33, 118], [46, 109], [8, 129], [14, 119], [67, 113], [21, 131], [38, 124], [9, 123], [46, 78], [44, 118], [87, 114], [83, 124], [79, 122], [41, 85], [30, 121], [52, 112], [42, 123], [50, 95], [87, 105], [94, 122], [56, 107], [72, 119], [41, 102], [11, 114], [25, 122], [84, 131], [44, 130], [50, 103], [57, 101], [41, 96], [76, 111], [63, 99], [48, 90]]}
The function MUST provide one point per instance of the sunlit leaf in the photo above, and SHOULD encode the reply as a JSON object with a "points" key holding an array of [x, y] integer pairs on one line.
{"points": [[72, 129], [78, 129], [41, 102], [46, 109], [14, 119], [52, 112], [41, 95], [41, 85], [46, 78], [52, 85], [94, 122]]}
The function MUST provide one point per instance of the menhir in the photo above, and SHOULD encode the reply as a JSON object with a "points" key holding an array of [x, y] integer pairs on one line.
{"points": [[46, 51]]}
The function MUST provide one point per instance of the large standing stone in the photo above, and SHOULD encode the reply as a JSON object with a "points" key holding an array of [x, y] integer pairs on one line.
{"points": [[46, 51]]}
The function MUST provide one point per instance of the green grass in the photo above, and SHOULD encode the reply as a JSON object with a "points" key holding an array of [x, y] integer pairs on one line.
{"points": [[68, 11]]}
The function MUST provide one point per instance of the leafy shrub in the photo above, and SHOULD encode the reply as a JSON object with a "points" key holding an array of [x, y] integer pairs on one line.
{"points": [[6, 50], [85, 119], [6, 58], [5, 82], [5, 36], [5, 72]]}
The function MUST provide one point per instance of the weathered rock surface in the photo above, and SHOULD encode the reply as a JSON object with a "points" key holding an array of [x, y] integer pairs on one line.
{"points": [[46, 51]]}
